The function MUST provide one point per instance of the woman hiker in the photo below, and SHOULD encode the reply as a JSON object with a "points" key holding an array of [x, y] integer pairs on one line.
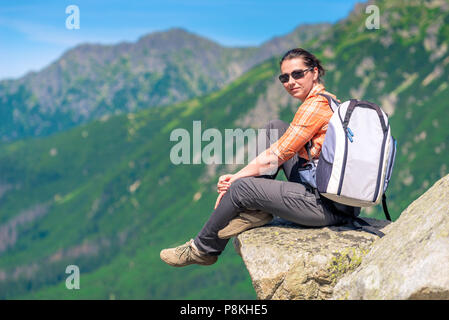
{"points": [[250, 197]]}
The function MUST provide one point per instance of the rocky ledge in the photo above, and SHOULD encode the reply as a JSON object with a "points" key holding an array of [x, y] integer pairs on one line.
{"points": [[411, 261]]}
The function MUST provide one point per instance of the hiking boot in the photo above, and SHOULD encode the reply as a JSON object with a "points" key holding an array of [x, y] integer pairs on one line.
{"points": [[244, 221], [186, 254]]}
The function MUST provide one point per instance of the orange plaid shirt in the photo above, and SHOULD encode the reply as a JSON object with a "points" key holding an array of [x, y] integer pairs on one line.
{"points": [[310, 123]]}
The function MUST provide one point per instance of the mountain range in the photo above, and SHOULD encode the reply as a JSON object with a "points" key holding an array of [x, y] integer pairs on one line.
{"points": [[92, 80]]}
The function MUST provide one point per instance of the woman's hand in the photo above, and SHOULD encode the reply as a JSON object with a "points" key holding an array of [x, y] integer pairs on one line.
{"points": [[224, 182], [219, 198]]}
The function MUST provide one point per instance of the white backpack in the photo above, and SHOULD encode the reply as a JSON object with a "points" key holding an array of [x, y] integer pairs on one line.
{"points": [[357, 155]]}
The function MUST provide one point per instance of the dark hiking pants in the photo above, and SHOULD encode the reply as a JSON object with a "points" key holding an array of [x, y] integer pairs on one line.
{"points": [[289, 200]]}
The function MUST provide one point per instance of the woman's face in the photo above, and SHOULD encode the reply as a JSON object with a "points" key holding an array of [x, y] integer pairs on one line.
{"points": [[299, 88]]}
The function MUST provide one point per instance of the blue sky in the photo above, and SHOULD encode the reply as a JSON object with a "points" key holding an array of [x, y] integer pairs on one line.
{"points": [[34, 33]]}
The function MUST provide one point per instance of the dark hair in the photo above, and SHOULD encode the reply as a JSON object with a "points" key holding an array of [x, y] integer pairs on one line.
{"points": [[309, 60]]}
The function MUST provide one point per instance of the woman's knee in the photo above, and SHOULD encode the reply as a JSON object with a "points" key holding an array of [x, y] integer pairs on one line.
{"points": [[238, 186], [239, 191]]}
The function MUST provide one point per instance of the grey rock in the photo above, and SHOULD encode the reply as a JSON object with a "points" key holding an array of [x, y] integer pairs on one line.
{"points": [[286, 261], [412, 260]]}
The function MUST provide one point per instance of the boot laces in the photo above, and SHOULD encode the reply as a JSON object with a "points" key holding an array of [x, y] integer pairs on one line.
{"points": [[185, 249]]}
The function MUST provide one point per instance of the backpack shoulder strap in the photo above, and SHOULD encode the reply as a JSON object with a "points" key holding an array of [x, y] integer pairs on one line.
{"points": [[332, 102], [361, 224], [384, 206], [308, 146]]}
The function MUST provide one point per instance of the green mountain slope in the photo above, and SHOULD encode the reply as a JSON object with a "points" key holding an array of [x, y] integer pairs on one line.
{"points": [[105, 196], [110, 199]]}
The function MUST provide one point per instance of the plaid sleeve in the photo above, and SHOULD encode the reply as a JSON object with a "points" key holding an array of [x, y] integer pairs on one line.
{"points": [[311, 116]]}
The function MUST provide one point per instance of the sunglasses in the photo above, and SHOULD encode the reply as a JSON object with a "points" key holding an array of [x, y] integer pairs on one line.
{"points": [[296, 74]]}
